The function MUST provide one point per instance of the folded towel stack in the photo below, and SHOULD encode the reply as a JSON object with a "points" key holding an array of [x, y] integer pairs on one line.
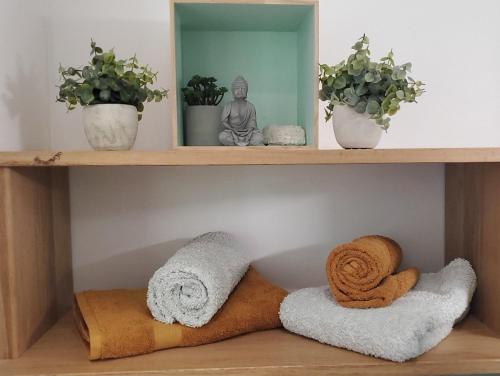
{"points": [[117, 323], [407, 328], [195, 282], [195, 288], [361, 273]]}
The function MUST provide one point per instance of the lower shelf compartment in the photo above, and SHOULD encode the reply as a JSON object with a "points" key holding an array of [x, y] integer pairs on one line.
{"points": [[471, 348]]}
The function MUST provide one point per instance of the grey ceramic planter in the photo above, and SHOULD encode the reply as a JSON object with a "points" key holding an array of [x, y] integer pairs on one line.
{"points": [[202, 125]]}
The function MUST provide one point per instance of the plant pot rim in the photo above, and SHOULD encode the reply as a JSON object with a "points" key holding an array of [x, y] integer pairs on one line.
{"points": [[110, 104], [352, 109]]}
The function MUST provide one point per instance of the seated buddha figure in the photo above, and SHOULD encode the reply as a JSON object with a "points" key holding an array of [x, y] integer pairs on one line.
{"points": [[239, 118]]}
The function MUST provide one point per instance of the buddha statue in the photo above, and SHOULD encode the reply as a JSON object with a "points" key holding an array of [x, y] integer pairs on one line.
{"points": [[239, 118]]}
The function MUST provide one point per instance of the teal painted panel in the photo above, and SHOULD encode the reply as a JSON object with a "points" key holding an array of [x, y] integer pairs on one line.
{"points": [[242, 17], [307, 72], [268, 61]]}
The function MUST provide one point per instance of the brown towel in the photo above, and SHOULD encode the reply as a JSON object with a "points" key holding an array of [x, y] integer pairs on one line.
{"points": [[117, 323], [361, 273]]}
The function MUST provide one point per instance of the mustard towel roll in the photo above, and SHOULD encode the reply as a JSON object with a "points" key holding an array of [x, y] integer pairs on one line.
{"points": [[361, 273]]}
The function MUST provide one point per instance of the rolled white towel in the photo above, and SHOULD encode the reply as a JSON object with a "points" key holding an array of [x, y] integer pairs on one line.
{"points": [[407, 328], [195, 282]]}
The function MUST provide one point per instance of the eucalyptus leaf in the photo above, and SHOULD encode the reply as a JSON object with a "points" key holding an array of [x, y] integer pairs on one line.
{"points": [[339, 83], [360, 107], [372, 107]]}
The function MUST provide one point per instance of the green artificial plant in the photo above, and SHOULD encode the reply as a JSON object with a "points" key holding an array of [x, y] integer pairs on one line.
{"points": [[376, 88], [108, 80], [203, 91]]}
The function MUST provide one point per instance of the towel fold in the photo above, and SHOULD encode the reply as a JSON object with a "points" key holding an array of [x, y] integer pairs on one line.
{"points": [[361, 273], [195, 282], [117, 323], [410, 326]]}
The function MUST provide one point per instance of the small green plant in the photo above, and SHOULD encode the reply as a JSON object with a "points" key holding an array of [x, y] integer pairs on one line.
{"points": [[376, 88], [108, 80], [203, 91]]}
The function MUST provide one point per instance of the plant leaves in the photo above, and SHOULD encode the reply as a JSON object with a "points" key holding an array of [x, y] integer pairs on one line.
{"points": [[372, 107]]}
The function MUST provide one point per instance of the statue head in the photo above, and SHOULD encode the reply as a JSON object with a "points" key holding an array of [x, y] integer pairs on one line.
{"points": [[239, 88]]}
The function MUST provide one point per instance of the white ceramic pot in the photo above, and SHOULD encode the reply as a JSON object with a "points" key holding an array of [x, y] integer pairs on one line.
{"points": [[354, 130], [202, 125], [110, 126]]}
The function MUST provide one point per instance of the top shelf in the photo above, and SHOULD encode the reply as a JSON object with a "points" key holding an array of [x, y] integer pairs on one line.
{"points": [[221, 156]]}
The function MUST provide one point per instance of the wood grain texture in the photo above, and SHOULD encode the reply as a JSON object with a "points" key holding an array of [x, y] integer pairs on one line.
{"points": [[5, 313], [315, 123], [471, 348], [172, 93], [275, 155], [61, 219], [472, 208], [28, 257]]}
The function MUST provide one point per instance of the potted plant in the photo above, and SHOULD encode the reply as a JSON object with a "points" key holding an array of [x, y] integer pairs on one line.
{"points": [[363, 94], [112, 93], [202, 120]]}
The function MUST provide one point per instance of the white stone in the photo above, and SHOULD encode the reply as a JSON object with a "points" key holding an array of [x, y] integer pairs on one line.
{"points": [[284, 135], [110, 126], [354, 130]]}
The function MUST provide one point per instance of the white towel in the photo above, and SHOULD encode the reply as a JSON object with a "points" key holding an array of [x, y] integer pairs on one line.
{"points": [[195, 282], [407, 328]]}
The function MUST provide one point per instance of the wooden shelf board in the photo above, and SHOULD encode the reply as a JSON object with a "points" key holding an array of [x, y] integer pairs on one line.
{"points": [[471, 348], [206, 156]]}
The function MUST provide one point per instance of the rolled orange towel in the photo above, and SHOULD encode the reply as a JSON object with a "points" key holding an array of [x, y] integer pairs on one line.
{"points": [[361, 273]]}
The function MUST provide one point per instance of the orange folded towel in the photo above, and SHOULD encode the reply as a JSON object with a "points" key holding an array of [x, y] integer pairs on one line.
{"points": [[361, 273], [117, 323]]}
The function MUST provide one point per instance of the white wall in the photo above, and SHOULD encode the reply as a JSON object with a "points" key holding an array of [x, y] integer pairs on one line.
{"points": [[24, 92], [126, 221]]}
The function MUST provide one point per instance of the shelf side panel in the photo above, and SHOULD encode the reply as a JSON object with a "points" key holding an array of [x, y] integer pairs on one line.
{"points": [[61, 219], [29, 255], [473, 231]]}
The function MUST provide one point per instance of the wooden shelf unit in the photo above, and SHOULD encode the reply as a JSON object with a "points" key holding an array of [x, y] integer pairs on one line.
{"points": [[275, 155], [36, 273]]}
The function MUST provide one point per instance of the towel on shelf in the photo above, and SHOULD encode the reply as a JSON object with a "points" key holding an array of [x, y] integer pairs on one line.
{"points": [[361, 273], [117, 323], [407, 328], [195, 282]]}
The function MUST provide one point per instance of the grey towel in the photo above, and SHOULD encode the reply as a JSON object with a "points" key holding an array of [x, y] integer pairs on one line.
{"points": [[195, 282]]}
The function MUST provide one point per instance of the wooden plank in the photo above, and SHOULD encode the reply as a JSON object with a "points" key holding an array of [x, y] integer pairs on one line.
{"points": [[61, 218], [315, 122], [473, 231], [210, 156], [5, 313], [172, 93], [470, 348], [28, 258]]}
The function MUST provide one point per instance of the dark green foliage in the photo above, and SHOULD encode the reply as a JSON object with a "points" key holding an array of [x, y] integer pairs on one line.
{"points": [[203, 91], [107, 80], [376, 88]]}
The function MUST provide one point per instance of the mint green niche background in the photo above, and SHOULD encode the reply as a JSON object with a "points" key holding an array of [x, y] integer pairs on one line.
{"points": [[272, 46]]}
